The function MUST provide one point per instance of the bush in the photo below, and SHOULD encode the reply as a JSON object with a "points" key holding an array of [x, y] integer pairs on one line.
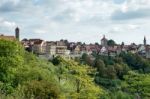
{"points": [[41, 90]]}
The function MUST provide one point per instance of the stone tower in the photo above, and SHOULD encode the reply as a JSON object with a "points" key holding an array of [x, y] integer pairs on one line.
{"points": [[144, 41], [104, 41], [17, 33]]}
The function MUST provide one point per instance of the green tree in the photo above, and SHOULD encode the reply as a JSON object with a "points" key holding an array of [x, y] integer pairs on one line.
{"points": [[136, 62], [111, 43], [20, 71], [111, 72], [11, 57], [138, 84], [121, 70], [80, 82], [117, 95], [55, 60], [99, 64], [41, 90]]}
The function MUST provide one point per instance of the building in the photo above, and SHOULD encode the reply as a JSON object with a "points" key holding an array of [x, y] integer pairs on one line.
{"points": [[50, 48], [103, 51], [143, 49], [74, 50], [38, 46], [17, 35], [11, 38], [104, 41], [77, 50], [148, 52], [56, 48], [61, 48], [144, 41], [133, 48]]}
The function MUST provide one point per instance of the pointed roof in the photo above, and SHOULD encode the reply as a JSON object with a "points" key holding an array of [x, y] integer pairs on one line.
{"points": [[144, 38], [103, 38], [17, 29]]}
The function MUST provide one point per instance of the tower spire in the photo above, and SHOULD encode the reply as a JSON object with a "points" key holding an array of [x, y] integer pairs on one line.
{"points": [[144, 40], [104, 36]]}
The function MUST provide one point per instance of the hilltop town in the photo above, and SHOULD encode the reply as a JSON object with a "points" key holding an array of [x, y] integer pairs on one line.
{"points": [[72, 50], [103, 69]]}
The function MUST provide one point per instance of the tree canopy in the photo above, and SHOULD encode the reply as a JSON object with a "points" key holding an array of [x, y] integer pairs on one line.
{"points": [[111, 42]]}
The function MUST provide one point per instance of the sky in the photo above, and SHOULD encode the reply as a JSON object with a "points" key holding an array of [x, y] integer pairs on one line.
{"points": [[77, 20]]}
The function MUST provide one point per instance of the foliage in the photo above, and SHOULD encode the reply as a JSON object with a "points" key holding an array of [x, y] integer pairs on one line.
{"points": [[136, 83], [117, 95], [86, 60], [41, 90], [55, 61], [113, 74], [25, 76], [111, 43], [81, 84], [18, 68], [136, 62]]}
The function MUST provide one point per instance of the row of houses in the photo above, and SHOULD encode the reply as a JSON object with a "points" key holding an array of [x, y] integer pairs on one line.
{"points": [[76, 49], [72, 49], [141, 49]]}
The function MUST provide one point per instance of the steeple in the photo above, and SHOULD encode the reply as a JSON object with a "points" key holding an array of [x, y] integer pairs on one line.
{"points": [[144, 41], [103, 37], [17, 33]]}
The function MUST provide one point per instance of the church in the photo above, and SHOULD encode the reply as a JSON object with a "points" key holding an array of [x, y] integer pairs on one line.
{"points": [[12, 38]]}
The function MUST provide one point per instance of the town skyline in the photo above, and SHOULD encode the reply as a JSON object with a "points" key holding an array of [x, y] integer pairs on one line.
{"points": [[77, 20], [99, 42]]}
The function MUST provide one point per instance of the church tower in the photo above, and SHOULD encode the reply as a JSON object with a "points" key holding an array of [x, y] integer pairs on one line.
{"points": [[17, 33], [144, 41], [104, 41]]}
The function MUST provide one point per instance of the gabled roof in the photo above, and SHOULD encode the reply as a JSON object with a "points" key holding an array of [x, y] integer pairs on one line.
{"points": [[33, 40], [38, 42], [25, 39]]}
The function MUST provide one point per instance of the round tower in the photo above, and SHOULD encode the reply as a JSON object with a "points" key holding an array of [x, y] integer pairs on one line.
{"points": [[17, 33]]}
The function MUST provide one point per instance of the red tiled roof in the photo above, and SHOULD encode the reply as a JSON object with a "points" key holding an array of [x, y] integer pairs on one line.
{"points": [[33, 40], [38, 42]]}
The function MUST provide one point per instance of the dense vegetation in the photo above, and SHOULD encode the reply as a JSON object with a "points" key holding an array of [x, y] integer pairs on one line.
{"points": [[25, 76], [126, 76]]}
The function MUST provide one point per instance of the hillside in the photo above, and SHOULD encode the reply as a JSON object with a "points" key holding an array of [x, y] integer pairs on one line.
{"points": [[25, 76], [126, 76]]}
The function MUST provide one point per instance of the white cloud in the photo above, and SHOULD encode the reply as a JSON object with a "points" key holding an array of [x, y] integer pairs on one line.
{"points": [[7, 24]]}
